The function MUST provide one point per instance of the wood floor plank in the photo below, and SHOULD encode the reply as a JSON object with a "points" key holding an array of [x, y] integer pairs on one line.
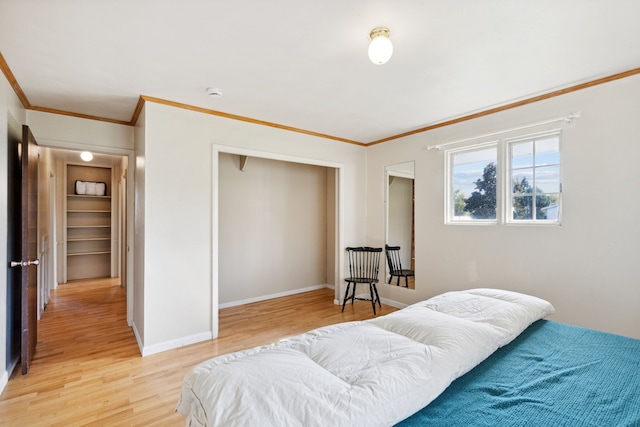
{"points": [[87, 368]]}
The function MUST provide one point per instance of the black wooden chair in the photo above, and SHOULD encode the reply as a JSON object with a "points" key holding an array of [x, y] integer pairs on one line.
{"points": [[395, 266], [364, 264]]}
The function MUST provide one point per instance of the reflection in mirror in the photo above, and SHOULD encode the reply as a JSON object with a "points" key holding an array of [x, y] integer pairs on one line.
{"points": [[400, 191]]}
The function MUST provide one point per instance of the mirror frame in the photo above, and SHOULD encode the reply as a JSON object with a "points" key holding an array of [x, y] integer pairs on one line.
{"points": [[391, 171]]}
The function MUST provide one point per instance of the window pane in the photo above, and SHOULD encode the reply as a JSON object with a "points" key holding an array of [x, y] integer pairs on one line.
{"points": [[475, 157], [522, 181], [522, 207], [522, 154], [474, 184], [548, 151], [535, 179], [548, 179], [547, 207]]}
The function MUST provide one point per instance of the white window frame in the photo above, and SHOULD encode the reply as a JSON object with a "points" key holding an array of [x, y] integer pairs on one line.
{"points": [[449, 204], [504, 207], [506, 179]]}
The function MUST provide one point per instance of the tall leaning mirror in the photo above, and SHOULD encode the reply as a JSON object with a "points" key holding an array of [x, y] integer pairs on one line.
{"points": [[400, 240]]}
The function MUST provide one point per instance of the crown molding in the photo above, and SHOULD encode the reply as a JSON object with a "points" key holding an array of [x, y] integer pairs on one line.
{"points": [[13, 82], [143, 98], [245, 119], [512, 105]]}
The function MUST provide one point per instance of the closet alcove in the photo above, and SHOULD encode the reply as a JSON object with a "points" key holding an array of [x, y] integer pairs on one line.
{"points": [[88, 215]]}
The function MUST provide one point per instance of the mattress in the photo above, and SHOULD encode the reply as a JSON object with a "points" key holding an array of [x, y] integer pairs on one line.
{"points": [[368, 373]]}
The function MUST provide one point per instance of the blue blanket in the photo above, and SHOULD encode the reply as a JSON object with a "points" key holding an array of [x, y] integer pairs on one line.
{"points": [[553, 374]]}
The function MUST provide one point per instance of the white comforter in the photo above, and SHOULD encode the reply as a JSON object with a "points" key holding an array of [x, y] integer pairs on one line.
{"points": [[368, 373]]}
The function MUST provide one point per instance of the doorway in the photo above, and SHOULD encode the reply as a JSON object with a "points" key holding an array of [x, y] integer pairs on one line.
{"points": [[89, 225], [278, 249]]}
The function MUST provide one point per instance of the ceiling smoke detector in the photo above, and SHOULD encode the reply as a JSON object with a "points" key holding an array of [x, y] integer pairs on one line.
{"points": [[214, 92]]}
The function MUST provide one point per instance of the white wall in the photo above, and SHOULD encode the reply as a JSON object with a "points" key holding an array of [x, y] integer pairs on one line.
{"points": [[272, 228], [588, 267], [46, 243], [55, 130], [137, 305], [180, 298]]}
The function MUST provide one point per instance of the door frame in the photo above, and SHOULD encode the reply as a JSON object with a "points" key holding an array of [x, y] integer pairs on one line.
{"points": [[130, 155], [215, 190]]}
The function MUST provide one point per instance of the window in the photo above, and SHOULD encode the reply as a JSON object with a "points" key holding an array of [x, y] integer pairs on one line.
{"points": [[472, 185], [525, 188], [534, 180]]}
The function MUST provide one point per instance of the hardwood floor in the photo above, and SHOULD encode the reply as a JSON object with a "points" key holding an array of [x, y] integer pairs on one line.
{"points": [[88, 370]]}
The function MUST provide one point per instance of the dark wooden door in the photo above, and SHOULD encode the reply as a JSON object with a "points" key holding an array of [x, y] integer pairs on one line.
{"points": [[14, 247], [29, 243]]}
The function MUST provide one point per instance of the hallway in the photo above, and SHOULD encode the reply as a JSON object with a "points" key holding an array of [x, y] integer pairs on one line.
{"points": [[87, 368]]}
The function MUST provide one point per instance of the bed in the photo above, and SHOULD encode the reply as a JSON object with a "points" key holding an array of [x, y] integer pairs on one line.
{"points": [[385, 370], [553, 373]]}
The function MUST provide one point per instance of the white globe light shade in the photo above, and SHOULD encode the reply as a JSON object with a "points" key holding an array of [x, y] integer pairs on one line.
{"points": [[380, 49], [86, 156]]}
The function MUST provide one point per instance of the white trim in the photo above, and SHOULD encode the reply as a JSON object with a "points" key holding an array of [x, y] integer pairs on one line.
{"points": [[275, 156], [507, 191], [4, 380], [177, 343], [218, 148], [137, 335], [400, 174], [393, 303], [449, 207], [130, 154], [272, 296]]}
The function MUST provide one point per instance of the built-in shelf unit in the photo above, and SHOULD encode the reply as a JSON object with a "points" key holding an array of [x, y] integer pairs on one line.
{"points": [[88, 224]]}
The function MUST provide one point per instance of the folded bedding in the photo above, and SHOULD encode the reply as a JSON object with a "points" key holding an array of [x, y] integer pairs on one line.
{"points": [[366, 373]]}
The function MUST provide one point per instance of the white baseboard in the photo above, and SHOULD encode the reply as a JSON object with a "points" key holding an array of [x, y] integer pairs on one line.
{"points": [[177, 343], [386, 301], [204, 336], [271, 296], [137, 335], [169, 345], [393, 303], [4, 379]]}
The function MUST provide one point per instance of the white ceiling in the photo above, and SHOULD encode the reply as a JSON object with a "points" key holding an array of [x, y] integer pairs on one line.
{"points": [[304, 64]]}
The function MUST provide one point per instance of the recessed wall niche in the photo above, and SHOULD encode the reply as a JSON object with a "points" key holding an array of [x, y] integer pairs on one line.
{"points": [[88, 221]]}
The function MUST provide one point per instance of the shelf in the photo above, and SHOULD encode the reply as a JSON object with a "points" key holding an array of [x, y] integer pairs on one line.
{"points": [[90, 222], [88, 196], [88, 253]]}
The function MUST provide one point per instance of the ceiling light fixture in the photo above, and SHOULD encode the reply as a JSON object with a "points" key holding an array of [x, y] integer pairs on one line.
{"points": [[380, 47], [86, 156]]}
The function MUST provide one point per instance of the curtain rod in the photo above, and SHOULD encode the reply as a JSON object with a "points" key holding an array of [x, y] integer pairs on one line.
{"points": [[569, 118]]}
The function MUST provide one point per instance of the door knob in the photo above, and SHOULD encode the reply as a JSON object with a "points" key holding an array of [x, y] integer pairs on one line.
{"points": [[24, 264]]}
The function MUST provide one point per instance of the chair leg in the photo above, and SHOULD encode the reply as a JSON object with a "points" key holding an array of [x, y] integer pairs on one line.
{"points": [[344, 301], [373, 297], [375, 289], [390, 279], [406, 281], [398, 282]]}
